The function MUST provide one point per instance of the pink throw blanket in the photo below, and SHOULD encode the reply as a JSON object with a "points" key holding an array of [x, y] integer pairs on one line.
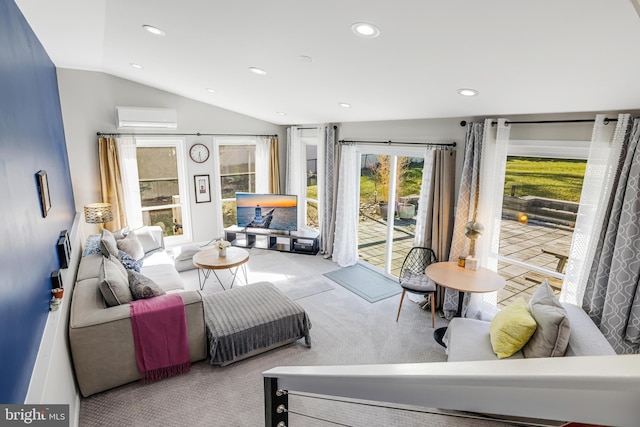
{"points": [[160, 335]]}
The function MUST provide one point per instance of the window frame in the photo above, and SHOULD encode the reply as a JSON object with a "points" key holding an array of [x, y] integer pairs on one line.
{"points": [[179, 145], [308, 138], [551, 149], [217, 143]]}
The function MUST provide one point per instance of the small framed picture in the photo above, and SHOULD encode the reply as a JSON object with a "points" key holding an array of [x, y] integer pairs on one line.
{"points": [[203, 190], [43, 188]]}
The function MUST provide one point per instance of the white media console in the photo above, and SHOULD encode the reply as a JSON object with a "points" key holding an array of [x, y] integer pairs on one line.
{"points": [[300, 242]]}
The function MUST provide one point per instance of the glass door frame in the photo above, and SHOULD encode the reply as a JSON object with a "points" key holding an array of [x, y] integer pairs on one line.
{"points": [[394, 151]]}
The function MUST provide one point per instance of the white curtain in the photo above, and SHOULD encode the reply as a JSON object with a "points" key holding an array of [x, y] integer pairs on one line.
{"points": [[296, 167], [345, 246], [425, 197], [492, 171], [604, 155], [263, 153], [130, 183]]}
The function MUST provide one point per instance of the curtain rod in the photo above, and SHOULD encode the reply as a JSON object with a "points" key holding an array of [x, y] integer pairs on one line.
{"points": [[444, 144], [536, 122], [180, 134]]}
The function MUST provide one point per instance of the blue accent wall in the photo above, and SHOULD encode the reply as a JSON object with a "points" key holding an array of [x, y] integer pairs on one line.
{"points": [[31, 139]]}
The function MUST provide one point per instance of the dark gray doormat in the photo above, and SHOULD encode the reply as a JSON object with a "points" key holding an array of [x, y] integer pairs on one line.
{"points": [[364, 282]]}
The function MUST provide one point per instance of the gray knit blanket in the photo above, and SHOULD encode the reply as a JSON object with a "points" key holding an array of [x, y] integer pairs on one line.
{"points": [[250, 318]]}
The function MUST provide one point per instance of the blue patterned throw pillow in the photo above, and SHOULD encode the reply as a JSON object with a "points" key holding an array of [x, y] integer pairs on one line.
{"points": [[129, 262], [92, 245]]}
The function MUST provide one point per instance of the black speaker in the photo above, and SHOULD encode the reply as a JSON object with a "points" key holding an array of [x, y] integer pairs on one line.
{"points": [[64, 249], [56, 279]]}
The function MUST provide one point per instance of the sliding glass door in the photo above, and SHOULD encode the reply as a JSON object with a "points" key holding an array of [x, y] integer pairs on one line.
{"points": [[389, 191]]}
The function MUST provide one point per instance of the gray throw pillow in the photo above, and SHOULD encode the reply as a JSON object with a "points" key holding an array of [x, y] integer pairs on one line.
{"points": [[108, 245], [142, 286], [552, 334], [114, 282], [121, 234], [132, 246]]}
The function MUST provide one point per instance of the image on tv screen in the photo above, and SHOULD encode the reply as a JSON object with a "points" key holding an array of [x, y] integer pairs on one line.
{"points": [[268, 211]]}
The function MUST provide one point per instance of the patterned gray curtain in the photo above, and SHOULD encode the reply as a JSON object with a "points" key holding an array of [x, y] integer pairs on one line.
{"points": [[467, 205], [327, 228], [612, 296]]}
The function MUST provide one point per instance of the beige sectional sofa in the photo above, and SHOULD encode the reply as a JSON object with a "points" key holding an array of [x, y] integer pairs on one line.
{"points": [[101, 337]]}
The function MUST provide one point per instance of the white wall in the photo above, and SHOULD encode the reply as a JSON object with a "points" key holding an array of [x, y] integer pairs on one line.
{"points": [[88, 101]]}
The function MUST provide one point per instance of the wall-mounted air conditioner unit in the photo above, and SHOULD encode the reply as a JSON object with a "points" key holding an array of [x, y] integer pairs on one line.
{"points": [[156, 118]]}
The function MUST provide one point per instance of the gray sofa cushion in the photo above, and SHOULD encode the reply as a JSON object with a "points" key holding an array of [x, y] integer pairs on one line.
{"points": [[165, 275], [108, 245], [585, 339], [114, 282], [469, 340], [552, 334]]}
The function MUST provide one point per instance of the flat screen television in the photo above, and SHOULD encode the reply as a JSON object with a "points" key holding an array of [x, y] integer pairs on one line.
{"points": [[278, 212]]}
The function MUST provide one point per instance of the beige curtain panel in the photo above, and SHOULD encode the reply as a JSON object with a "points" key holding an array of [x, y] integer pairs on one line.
{"points": [[274, 167], [111, 182]]}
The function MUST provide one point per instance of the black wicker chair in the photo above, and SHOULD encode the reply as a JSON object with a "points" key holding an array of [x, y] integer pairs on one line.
{"points": [[413, 280]]}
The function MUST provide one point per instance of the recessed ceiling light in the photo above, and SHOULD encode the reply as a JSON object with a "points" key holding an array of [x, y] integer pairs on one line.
{"points": [[468, 92], [344, 105], [364, 29], [211, 90], [257, 70], [305, 58], [154, 30], [280, 113], [136, 66]]}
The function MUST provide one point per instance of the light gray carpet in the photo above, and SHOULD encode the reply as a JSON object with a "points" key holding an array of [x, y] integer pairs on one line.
{"points": [[365, 282], [345, 330]]}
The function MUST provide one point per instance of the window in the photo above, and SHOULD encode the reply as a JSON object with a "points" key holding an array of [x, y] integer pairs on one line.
{"points": [[163, 189], [311, 202], [540, 203], [237, 162], [310, 138]]}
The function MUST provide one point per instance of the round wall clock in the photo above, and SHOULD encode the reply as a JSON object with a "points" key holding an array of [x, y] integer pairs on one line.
{"points": [[199, 153]]}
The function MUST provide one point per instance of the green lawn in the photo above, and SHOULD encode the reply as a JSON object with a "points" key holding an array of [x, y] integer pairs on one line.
{"points": [[551, 178], [411, 182]]}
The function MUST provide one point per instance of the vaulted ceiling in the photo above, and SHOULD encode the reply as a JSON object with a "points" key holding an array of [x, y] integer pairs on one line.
{"points": [[523, 57]]}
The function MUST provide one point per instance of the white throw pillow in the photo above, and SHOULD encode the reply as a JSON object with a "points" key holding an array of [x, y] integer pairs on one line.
{"points": [[186, 252]]}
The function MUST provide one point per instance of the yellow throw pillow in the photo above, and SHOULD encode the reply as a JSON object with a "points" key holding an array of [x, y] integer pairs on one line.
{"points": [[511, 328]]}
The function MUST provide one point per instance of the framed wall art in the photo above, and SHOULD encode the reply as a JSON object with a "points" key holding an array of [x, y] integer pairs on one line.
{"points": [[203, 189], [43, 188]]}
